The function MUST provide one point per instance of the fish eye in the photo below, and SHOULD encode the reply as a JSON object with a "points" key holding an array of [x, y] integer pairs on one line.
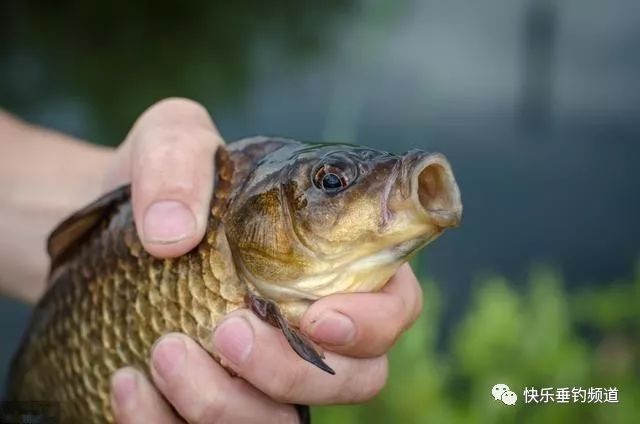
{"points": [[331, 182], [330, 179]]}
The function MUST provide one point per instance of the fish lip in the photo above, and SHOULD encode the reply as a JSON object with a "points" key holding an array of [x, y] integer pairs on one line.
{"points": [[435, 195]]}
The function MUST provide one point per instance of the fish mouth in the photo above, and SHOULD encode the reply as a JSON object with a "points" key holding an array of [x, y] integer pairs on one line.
{"points": [[434, 190]]}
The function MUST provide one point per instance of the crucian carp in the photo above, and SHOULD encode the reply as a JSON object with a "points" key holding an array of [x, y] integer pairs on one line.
{"points": [[289, 223]]}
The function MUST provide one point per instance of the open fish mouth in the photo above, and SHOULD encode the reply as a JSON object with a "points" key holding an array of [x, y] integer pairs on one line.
{"points": [[434, 190]]}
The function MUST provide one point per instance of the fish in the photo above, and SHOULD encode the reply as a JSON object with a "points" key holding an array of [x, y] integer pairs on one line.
{"points": [[290, 222]]}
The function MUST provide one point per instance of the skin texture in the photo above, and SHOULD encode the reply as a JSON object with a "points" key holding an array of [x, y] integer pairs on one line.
{"points": [[38, 189], [243, 340]]}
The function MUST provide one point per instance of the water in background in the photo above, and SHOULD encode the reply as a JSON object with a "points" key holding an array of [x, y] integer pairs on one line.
{"points": [[535, 102]]}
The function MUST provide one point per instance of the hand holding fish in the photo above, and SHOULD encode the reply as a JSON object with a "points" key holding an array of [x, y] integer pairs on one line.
{"points": [[230, 293], [170, 149]]}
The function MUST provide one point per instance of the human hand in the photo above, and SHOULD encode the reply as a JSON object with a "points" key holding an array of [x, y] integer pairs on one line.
{"points": [[168, 159]]}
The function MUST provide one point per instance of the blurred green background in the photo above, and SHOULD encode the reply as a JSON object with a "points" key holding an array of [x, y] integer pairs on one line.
{"points": [[535, 102]]}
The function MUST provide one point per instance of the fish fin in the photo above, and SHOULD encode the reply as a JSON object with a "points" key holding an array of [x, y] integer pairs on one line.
{"points": [[269, 312], [70, 232]]}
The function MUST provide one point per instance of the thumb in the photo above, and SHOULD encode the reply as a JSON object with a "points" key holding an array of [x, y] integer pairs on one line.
{"points": [[171, 167]]}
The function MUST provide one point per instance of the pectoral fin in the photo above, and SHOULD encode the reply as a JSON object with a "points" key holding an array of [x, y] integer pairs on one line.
{"points": [[268, 311]]}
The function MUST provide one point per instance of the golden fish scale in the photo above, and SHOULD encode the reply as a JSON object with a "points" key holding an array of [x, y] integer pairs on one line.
{"points": [[109, 300], [115, 304]]}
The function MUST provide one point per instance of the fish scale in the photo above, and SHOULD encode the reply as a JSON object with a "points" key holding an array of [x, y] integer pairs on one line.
{"points": [[109, 300], [109, 316]]}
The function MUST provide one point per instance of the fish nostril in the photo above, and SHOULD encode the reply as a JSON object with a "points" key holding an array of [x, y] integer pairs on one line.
{"points": [[438, 193]]}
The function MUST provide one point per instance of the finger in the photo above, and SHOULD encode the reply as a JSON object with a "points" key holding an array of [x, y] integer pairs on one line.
{"points": [[134, 400], [203, 392], [260, 354], [365, 324], [171, 169]]}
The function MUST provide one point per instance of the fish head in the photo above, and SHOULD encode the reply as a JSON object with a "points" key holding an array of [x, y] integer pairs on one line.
{"points": [[312, 220]]}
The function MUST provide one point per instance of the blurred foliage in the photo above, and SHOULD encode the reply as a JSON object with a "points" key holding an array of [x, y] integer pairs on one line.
{"points": [[113, 59], [542, 337]]}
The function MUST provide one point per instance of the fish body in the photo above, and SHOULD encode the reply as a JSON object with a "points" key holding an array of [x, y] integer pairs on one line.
{"points": [[290, 223]]}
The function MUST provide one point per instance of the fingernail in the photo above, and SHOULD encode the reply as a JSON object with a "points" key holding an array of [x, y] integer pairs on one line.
{"points": [[168, 356], [124, 387], [333, 328], [233, 340], [168, 221]]}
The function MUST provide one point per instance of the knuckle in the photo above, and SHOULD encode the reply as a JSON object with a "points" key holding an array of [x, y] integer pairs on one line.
{"points": [[413, 298], [211, 411], [380, 334], [177, 104], [395, 306], [284, 387], [417, 307], [170, 163], [174, 121], [397, 310], [404, 311], [207, 406], [174, 138], [372, 381]]}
